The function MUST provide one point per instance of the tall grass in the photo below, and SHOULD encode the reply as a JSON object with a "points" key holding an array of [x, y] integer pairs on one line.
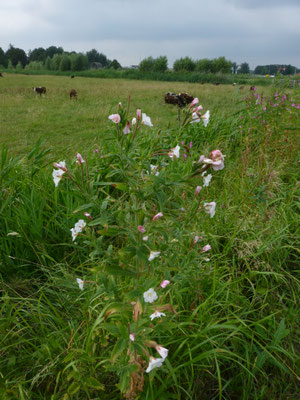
{"points": [[231, 314]]}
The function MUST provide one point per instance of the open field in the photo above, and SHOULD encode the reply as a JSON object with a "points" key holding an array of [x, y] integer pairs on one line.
{"points": [[149, 266], [25, 116]]}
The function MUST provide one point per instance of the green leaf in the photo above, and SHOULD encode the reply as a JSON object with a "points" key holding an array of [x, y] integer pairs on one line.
{"points": [[93, 383], [73, 388]]}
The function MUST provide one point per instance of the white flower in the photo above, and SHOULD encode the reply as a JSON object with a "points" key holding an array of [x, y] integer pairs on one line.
{"points": [[164, 283], [174, 152], [153, 254], [196, 117], [154, 363], [133, 122], [146, 120], [205, 118], [157, 314], [150, 296], [163, 352], [145, 238], [80, 283], [154, 169], [79, 227], [210, 208], [207, 179], [57, 175]]}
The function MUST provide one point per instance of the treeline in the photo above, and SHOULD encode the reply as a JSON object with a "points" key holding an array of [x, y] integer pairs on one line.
{"points": [[186, 64], [274, 69], [57, 59], [53, 59]]}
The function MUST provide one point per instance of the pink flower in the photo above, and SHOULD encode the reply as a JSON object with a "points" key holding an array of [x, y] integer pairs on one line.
{"points": [[198, 189], [126, 130], [141, 229], [196, 238], [201, 159], [88, 215], [158, 215], [132, 336], [165, 283], [138, 114], [194, 102], [206, 248], [80, 160], [115, 118], [218, 160], [61, 165], [191, 145]]}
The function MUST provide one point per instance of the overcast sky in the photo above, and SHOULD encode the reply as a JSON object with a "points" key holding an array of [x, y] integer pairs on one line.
{"points": [[255, 31]]}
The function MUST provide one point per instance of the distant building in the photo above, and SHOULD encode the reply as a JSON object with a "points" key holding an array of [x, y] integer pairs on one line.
{"points": [[134, 66], [96, 65]]}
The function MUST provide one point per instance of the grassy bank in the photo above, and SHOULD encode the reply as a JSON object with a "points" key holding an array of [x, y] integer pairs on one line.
{"points": [[229, 318]]}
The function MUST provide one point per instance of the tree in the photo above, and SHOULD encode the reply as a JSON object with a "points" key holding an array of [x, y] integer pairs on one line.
{"points": [[79, 62], [19, 66], [93, 56], [146, 65], [16, 55], [55, 62], [184, 64], [3, 58], [48, 63], [65, 63], [50, 51], [234, 67], [244, 68], [221, 65], [38, 54], [160, 64], [115, 64], [204, 65]]}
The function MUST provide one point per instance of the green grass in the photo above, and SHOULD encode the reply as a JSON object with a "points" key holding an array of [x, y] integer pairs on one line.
{"points": [[231, 324], [61, 123]]}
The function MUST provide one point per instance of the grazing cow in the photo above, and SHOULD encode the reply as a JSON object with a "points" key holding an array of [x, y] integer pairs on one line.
{"points": [[217, 83], [40, 90], [234, 84], [73, 93], [242, 87], [1, 76], [72, 76], [186, 98], [173, 98]]}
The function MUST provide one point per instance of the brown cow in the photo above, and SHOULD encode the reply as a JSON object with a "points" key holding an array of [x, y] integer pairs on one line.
{"points": [[242, 87], [1, 76], [40, 90], [73, 93]]}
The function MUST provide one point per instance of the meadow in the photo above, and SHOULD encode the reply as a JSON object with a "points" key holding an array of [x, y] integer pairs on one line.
{"points": [[138, 261]]}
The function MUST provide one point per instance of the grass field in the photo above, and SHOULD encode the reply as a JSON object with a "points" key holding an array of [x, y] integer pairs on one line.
{"points": [[26, 116], [227, 284]]}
